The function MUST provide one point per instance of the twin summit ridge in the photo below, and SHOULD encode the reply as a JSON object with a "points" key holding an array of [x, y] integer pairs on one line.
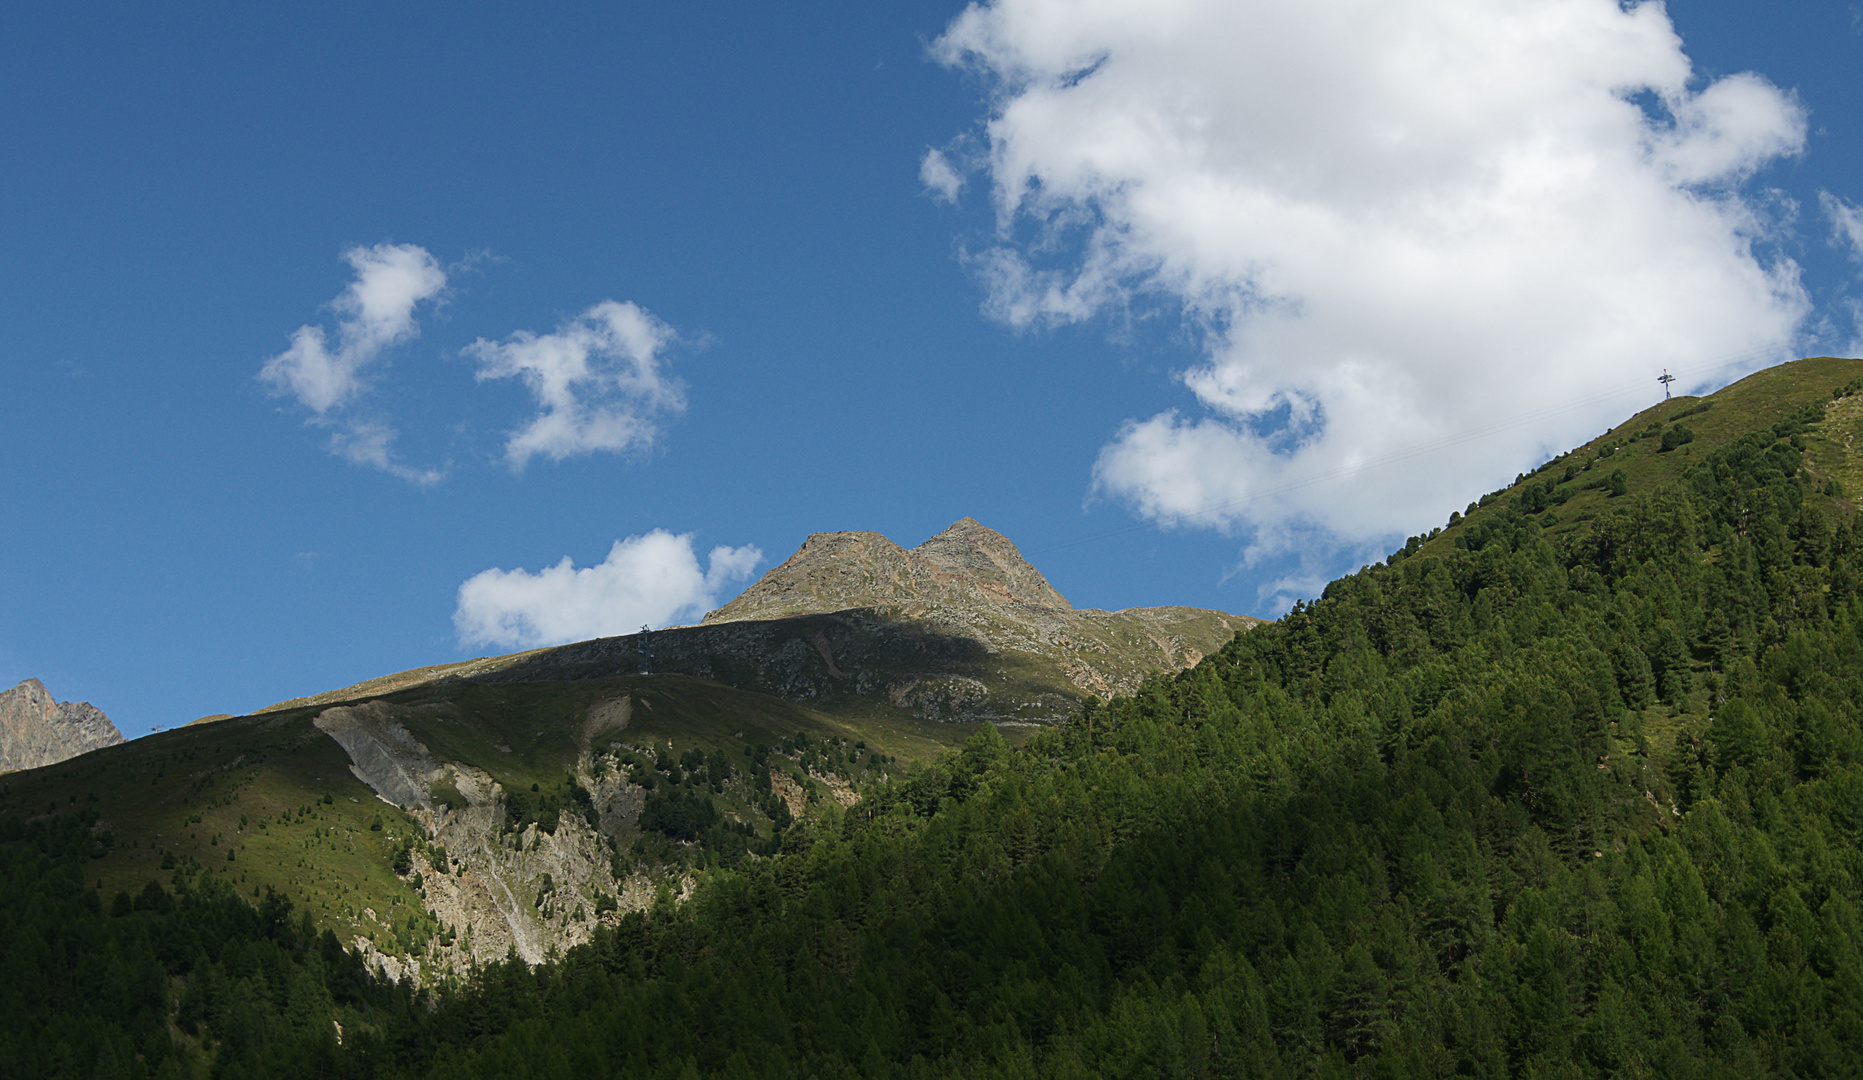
{"points": [[965, 565], [965, 600], [960, 628]]}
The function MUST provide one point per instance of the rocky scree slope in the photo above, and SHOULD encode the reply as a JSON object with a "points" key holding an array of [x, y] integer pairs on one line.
{"points": [[497, 891], [35, 730]]}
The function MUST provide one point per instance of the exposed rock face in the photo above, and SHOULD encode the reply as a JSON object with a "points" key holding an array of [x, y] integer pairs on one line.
{"points": [[530, 893], [986, 566], [959, 628], [35, 730], [381, 752]]}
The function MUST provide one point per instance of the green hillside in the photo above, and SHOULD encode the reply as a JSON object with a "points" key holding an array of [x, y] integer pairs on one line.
{"points": [[1576, 486], [269, 802], [1574, 789]]}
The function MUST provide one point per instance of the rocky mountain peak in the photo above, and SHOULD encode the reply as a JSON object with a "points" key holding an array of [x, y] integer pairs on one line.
{"points": [[966, 565], [971, 554], [35, 730]]}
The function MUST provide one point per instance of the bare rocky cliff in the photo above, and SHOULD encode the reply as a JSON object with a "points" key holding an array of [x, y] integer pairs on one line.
{"points": [[35, 730]]}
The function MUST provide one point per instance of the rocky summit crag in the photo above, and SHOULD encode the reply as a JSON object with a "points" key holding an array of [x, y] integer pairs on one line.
{"points": [[966, 565], [36, 730]]}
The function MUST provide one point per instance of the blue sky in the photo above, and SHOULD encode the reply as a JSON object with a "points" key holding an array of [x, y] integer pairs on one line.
{"points": [[852, 334]]}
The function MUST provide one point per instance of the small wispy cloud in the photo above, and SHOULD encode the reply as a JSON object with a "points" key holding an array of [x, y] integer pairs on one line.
{"points": [[1846, 223], [377, 310], [597, 381], [649, 580], [371, 442], [940, 177], [374, 313], [1846, 220]]}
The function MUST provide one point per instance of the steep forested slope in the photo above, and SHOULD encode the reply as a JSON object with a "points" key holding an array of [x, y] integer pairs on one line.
{"points": [[1528, 808], [1576, 805]]}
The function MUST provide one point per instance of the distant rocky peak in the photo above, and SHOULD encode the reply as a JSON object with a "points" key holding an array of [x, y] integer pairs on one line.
{"points": [[35, 730], [966, 565], [969, 552]]}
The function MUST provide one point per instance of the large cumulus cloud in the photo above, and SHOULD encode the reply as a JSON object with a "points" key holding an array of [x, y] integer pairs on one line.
{"points": [[1393, 222]]}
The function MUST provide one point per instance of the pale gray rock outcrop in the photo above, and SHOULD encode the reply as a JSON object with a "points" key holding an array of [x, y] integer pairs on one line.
{"points": [[36, 730], [381, 752], [528, 893]]}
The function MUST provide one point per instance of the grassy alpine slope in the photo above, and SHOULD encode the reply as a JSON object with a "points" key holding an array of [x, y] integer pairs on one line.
{"points": [[1576, 486], [270, 803], [1572, 800]]}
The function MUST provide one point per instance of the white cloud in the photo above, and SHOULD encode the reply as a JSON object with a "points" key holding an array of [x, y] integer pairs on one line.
{"points": [[650, 580], [367, 441], [1846, 223], [597, 382], [940, 177], [375, 312], [1847, 232], [1394, 222]]}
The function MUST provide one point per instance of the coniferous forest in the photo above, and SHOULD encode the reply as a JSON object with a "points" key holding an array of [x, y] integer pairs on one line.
{"points": [[1584, 806]]}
